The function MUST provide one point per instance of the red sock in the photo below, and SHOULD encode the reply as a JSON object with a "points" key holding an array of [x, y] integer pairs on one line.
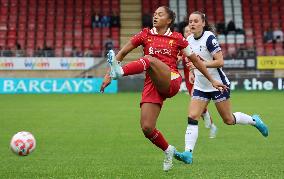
{"points": [[136, 67], [157, 138]]}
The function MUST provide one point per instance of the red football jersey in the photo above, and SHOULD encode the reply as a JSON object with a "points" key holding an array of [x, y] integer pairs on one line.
{"points": [[164, 47]]}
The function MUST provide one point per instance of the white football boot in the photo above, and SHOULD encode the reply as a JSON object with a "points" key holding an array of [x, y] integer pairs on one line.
{"points": [[115, 69], [213, 131], [168, 161]]}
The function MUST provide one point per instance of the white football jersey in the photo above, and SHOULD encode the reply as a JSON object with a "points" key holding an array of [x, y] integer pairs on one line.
{"points": [[205, 47]]}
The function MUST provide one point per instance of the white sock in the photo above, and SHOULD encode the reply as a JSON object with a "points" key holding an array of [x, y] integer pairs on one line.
{"points": [[242, 118], [191, 136], [121, 71], [207, 119], [168, 149]]}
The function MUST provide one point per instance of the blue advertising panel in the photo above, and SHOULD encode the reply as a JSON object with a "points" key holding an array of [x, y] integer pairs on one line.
{"points": [[53, 85]]}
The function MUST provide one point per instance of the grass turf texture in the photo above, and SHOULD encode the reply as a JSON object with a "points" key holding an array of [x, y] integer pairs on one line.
{"points": [[98, 136]]}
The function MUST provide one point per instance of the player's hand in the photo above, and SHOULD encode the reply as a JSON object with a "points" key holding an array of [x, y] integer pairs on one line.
{"points": [[192, 67], [191, 77], [106, 82], [219, 86]]}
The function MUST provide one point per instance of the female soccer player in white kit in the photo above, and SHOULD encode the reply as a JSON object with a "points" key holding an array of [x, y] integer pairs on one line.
{"points": [[189, 81], [205, 45]]}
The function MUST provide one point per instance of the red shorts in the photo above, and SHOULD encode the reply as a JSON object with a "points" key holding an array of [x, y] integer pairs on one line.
{"points": [[150, 93]]}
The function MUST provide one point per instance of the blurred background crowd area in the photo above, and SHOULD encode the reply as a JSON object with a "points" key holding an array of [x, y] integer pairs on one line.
{"points": [[89, 28]]}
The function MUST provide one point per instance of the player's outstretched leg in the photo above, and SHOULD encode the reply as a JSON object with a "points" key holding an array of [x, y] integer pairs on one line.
{"points": [[259, 124], [149, 116], [131, 68], [224, 109]]}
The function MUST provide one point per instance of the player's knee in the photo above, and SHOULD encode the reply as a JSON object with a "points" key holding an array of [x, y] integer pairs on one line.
{"points": [[147, 128], [229, 120], [150, 59], [194, 116]]}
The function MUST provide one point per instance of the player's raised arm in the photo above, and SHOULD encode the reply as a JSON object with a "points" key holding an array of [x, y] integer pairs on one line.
{"points": [[202, 68], [128, 47], [137, 40]]}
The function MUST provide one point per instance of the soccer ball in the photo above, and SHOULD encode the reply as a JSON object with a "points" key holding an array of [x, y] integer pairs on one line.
{"points": [[23, 143]]}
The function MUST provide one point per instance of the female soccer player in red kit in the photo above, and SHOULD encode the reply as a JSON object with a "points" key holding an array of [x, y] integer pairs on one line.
{"points": [[162, 81], [188, 69]]}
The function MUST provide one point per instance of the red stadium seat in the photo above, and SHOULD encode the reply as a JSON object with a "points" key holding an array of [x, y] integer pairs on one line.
{"points": [[2, 42], [11, 43], [12, 34], [30, 43], [21, 34], [40, 43], [59, 35], [3, 34], [58, 52], [68, 35], [87, 44], [31, 34], [32, 23], [78, 44], [50, 35], [22, 43], [3, 19], [40, 34], [49, 43], [59, 43], [68, 43]]}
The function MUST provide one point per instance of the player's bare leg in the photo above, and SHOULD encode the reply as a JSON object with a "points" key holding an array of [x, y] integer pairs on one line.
{"points": [[149, 116], [224, 109], [196, 109], [160, 74]]}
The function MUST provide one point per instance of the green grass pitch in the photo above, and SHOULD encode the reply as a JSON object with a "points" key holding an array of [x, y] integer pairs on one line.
{"points": [[99, 136]]}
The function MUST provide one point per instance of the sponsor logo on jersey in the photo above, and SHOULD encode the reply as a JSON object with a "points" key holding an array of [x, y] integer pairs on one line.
{"points": [[215, 43], [155, 51]]}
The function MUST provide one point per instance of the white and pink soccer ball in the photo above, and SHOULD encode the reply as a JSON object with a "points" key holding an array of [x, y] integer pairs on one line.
{"points": [[23, 143]]}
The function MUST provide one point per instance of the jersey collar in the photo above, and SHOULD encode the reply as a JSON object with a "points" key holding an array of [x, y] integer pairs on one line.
{"points": [[199, 36], [154, 31]]}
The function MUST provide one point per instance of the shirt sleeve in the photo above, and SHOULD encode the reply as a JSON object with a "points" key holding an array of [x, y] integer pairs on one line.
{"points": [[139, 38], [187, 51], [212, 45], [182, 42]]}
